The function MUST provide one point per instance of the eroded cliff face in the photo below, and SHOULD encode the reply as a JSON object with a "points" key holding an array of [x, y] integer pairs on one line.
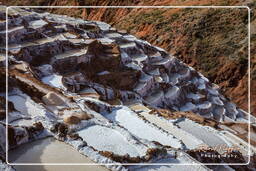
{"points": [[113, 97], [210, 40]]}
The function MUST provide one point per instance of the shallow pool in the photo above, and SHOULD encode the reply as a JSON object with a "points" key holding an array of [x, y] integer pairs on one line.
{"points": [[49, 150]]}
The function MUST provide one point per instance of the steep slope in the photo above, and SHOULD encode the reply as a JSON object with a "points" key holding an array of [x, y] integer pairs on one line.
{"points": [[103, 91], [212, 41], [122, 66]]}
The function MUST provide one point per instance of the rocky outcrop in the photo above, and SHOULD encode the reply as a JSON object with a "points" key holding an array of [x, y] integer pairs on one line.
{"points": [[71, 119], [52, 98]]}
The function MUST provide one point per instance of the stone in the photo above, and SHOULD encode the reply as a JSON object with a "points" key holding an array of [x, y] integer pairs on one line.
{"points": [[122, 31], [83, 116], [52, 98], [72, 119]]}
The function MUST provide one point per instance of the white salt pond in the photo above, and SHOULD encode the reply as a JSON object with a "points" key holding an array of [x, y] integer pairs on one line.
{"points": [[22, 122], [129, 120], [188, 107], [25, 105], [194, 96], [155, 98], [54, 80], [206, 135], [189, 140], [37, 24], [49, 150], [174, 79], [107, 139]]}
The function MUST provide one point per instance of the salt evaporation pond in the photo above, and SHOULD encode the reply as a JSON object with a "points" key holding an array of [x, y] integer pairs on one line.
{"points": [[54, 80], [206, 135], [49, 150], [107, 139], [129, 120]]}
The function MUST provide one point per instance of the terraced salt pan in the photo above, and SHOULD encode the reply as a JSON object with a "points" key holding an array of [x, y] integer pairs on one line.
{"points": [[54, 80], [71, 53], [23, 122], [107, 139], [205, 105], [106, 40], [37, 42], [87, 91], [140, 88], [127, 45], [155, 98], [49, 150], [165, 77], [206, 134], [37, 24], [166, 62], [102, 25], [76, 41], [219, 110], [140, 58], [146, 78], [231, 107], [174, 79], [15, 115], [25, 105], [154, 72], [130, 120], [188, 107], [133, 66], [13, 29], [172, 92], [203, 77], [213, 91], [201, 84], [156, 56], [70, 35], [190, 141], [181, 158], [217, 101], [194, 96], [182, 74], [130, 37], [240, 143], [113, 35]]}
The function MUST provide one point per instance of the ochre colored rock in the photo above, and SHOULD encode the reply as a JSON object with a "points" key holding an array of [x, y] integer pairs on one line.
{"points": [[52, 98], [83, 116], [71, 119]]}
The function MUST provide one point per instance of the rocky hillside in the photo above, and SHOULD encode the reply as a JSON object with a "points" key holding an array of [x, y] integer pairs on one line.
{"points": [[210, 40], [111, 97]]}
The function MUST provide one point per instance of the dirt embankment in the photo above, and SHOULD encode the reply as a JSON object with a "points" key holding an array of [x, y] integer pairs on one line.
{"points": [[214, 41]]}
